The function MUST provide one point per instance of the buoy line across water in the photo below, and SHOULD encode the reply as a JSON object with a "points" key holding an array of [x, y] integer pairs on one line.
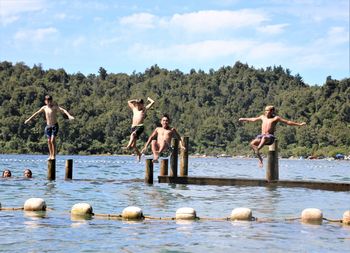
{"points": [[85, 211]]}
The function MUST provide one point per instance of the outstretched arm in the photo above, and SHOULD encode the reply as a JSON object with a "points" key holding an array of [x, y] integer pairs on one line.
{"points": [[36, 113], [154, 134], [151, 103], [250, 119], [290, 123], [67, 113]]}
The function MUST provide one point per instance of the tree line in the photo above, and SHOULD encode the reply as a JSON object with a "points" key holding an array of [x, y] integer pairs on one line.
{"points": [[204, 106]]}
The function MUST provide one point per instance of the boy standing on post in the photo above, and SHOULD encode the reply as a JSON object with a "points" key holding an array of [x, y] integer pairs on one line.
{"points": [[51, 109], [139, 114], [269, 121]]}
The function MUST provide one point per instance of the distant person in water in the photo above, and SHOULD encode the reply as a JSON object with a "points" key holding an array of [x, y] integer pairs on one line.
{"points": [[164, 135], [139, 114], [51, 109], [27, 173], [6, 173], [269, 121]]}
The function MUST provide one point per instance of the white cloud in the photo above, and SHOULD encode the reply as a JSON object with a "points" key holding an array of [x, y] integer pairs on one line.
{"points": [[78, 41], [210, 21], [204, 50], [37, 35], [139, 20], [10, 10], [272, 29], [198, 22], [338, 35]]}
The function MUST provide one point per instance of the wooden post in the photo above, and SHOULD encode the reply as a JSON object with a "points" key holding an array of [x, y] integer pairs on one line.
{"points": [[51, 169], [69, 169], [174, 158], [163, 167], [184, 158], [149, 171], [272, 162]]}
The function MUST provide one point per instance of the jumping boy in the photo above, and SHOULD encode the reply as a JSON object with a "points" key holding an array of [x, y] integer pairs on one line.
{"points": [[139, 114], [51, 109], [164, 135], [269, 122]]}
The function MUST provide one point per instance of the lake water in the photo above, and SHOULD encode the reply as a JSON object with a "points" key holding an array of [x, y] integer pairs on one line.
{"points": [[107, 183]]}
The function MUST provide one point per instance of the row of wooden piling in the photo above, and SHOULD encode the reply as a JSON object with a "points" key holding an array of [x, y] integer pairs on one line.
{"points": [[272, 169], [51, 169], [164, 163]]}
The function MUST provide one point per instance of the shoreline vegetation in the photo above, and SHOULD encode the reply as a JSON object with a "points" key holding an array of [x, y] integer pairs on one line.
{"points": [[205, 106]]}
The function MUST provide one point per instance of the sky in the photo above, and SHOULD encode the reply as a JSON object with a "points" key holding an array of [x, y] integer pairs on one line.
{"points": [[309, 37]]}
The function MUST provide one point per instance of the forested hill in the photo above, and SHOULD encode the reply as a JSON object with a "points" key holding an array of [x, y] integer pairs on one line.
{"points": [[204, 106]]}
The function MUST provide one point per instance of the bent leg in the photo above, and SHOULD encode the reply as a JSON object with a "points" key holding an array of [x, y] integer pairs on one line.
{"points": [[155, 150], [132, 141], [255, 144]]}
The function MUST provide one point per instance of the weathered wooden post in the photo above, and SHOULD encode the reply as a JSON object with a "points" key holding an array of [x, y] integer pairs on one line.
{"points": [[69, 169], [163, 167], [51, 169], [272, 162], [149, 171], [174, 158], [184, 158]]}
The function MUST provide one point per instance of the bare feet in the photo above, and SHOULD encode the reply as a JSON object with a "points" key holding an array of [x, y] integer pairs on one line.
{"points": [[155, 161], [256, 152], [139, 157]]}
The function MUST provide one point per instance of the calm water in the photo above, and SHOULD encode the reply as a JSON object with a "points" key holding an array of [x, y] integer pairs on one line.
{"points": [[112, 188]]}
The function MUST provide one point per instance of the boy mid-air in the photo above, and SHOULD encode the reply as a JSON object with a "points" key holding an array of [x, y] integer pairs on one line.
{"points": [[269, 122], [139, 114]]}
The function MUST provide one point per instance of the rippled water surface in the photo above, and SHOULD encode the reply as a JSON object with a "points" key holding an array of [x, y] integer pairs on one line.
{"points": [[108, 184]]}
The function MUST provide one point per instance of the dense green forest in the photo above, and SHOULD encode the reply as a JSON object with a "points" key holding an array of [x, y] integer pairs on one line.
{"points": [[204, 106]]}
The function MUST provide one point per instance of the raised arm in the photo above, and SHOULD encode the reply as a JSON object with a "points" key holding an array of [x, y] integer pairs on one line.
{"points": [[154, 134], [67, 113], [250, 119], [131, 103], [151, 103], [36, 113], [290, 123]]}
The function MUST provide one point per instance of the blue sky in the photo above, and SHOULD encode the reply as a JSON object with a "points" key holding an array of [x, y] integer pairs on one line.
{"points": [[309, 37]]}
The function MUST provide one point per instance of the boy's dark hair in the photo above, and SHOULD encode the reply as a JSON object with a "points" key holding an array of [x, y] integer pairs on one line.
{"points": [[166, 116], [3, 173], [48, 97], [141, 101]]}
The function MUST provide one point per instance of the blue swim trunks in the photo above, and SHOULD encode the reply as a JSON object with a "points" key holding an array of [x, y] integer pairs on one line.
{"points": [[271, 138], [51, 130]]}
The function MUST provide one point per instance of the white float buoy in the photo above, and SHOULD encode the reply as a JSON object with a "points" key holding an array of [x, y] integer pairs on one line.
{"points": [[346, 218], [312, 215], [185, 213], [132, 213], [241, 213], [81, 209], [35, 204]]}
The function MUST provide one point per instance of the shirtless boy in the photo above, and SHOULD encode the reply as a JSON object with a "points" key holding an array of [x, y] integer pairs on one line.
{"points": [[139, 114], [164, 135], [269, 122], [51, 109]]}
